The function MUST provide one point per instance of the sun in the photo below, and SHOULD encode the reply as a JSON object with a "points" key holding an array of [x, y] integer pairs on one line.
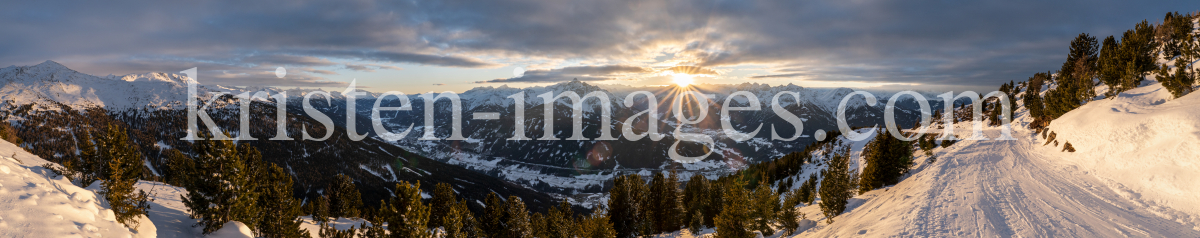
{"points": [[683, 80]]}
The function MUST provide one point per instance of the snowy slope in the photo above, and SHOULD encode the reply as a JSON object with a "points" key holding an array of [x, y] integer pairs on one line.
{"points": [[1143, 143], [33, 204], [1133, 175]]}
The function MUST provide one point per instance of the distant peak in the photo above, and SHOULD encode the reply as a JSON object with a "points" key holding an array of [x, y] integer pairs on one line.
{"points": [[51, 64]]}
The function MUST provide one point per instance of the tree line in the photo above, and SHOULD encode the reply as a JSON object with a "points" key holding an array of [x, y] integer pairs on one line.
{"points": [[1121, 65]]}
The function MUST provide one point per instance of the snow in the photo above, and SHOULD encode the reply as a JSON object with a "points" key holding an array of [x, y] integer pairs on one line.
{"points": [[55, 82], [1132, 175], [35, 204], [233, 229], [168, 212], [1142, 143], [1136, 155]]}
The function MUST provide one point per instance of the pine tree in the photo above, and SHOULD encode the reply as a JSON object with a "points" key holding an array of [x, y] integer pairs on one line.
{"points": [[1075, 78], [715, 204], [887, 159], [735, 218], [406, 215], [537, 224], [222, 191], [251, 214], [440, 205], [344, 198], [518, 224], [625, 201], [280, 212], [320, 209], [180, 168], [662, 203], [377, 228], [559, 221], [123, 171], [783, 186], [766, 206], [1110, 66], [1137, 54], [789, 218], [1175, 34], [91, 167], [926, 144], [1180, 83], [1033, 100], [695, 197], [494, 216], [671, 210], [808, 191], [597, 225], [803, 192], [459, 223], [835, 187], [8, 133]]}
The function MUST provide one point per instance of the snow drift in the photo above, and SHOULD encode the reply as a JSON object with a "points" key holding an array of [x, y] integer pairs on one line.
{"points": [[1143, 143], [35, 203]]}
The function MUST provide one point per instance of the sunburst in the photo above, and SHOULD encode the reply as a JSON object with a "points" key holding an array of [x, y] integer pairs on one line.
{"points": [[683, 80]]}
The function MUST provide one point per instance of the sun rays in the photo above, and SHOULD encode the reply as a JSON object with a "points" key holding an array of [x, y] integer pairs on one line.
{"points": [[683, 80]]}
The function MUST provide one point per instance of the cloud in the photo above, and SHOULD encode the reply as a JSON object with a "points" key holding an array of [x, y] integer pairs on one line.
{"points": [[288, 60], [581, 73], [318, 71], [403, 57], [927, 42], [789, 75], [222, 73], [381, 66], [692, 70], [356, 67], [369, 67], [439, 84]]}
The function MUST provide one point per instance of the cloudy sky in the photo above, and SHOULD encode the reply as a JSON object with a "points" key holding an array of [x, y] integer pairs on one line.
{"points": [[420, 46]]}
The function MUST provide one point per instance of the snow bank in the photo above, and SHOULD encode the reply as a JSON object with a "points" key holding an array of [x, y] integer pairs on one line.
{"points": [[1145, 144], [168, 212], [33, 204], [233, 229]]}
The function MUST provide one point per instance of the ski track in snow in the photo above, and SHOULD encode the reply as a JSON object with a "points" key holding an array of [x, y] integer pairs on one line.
{"points": [[1022, 188], [1008, 188]]}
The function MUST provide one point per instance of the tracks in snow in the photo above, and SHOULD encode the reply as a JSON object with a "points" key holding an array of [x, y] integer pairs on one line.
{"points": [[1001, 188]]}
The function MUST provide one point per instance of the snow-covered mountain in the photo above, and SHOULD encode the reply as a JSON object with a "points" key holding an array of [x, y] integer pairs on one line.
{"points": [[553, 166], [557, 166], [570, 166], [51, 82], [50, 118]]}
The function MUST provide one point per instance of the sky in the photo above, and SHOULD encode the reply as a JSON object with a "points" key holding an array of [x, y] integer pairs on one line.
{"points": [[422, 46]]}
